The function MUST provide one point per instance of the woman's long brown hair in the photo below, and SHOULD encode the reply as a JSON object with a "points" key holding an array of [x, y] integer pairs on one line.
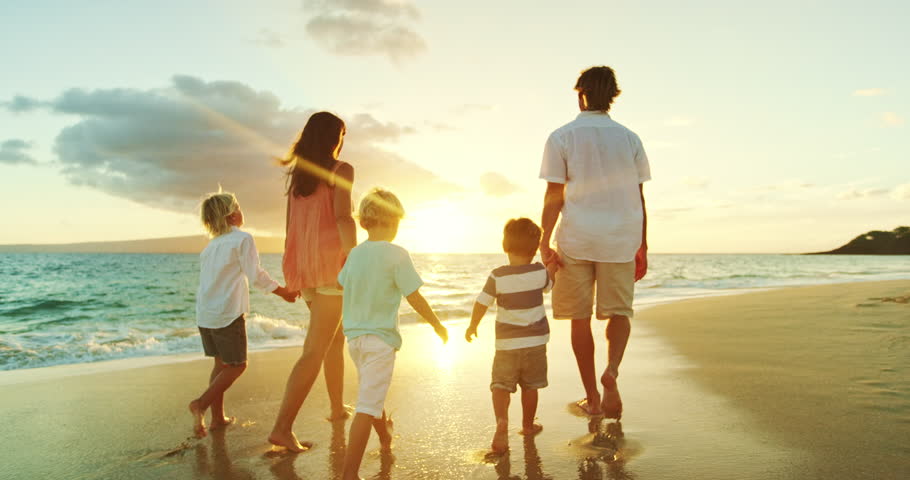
{"points": [[313, 155]]}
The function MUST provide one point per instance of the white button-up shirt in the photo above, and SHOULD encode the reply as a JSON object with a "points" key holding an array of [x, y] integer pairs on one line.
{"points": [[601, 163], [225, 265]]}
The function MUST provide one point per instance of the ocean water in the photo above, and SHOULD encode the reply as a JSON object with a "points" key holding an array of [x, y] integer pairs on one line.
{"points": [[75, 308]]}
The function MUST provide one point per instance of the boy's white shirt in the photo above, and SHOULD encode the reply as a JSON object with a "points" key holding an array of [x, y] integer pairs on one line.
{"points": [[225, 265]]}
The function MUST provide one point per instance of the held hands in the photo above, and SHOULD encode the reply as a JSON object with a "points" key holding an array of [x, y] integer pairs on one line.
{"points": [[549, 256], [289, 296], [442, 332], [470, 334]]}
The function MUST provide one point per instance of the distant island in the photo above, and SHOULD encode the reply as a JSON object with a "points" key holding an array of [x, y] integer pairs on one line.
{"points": [[876, 242], [191, 244]]}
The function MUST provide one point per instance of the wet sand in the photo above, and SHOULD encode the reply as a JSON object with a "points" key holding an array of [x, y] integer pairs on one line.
{"points": [[798, 383]]}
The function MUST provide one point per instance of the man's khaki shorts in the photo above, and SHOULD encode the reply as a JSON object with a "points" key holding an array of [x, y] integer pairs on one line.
{"points": [[576, 280]]}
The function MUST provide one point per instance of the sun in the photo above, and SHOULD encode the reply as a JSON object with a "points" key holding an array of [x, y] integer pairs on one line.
{"points": [[438, 227]]}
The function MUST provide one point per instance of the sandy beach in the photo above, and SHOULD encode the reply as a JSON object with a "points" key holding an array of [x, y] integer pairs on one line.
{"points": [[808, 382]]}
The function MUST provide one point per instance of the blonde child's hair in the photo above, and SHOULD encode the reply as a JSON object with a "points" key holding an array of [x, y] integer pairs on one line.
{"points": [[214, 212], [380, 208]]}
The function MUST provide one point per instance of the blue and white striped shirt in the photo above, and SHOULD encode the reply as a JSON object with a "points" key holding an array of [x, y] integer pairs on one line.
{"points": [[521, 320]]}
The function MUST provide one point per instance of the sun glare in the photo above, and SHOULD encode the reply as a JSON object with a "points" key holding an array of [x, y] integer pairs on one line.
{"points": [[440, 227]]}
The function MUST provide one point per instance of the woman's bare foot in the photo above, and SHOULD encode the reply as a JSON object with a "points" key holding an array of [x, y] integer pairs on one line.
{"points": [[343, 414], [223, 422], [612, 403], [500, 441], [289, 441], [531, 430], [590, 408], [198, 419]]}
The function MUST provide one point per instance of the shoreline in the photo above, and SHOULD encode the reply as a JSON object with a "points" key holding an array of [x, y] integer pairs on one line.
{"points": [[15, 376]]}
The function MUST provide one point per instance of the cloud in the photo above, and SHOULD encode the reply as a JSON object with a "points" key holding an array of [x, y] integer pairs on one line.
{"points": [[497, 185], [365, 28], [891, 119], [440, 126], [21, 104], [856, 193], [901, 192], [469, 108], [869, 92], [165, 147], [789, 185], [268, 38], [679, 121], [696, 182], [13, 152]]}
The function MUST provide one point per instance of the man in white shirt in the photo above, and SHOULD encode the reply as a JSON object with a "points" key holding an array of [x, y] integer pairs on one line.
{"points": [[595, 168]]}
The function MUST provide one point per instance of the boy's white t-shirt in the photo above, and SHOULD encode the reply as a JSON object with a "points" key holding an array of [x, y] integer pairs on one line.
{"points": [[224, 266], [374, 278], [601, 163]]}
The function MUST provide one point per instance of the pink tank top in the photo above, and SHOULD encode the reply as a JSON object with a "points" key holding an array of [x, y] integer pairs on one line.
{"points": [[312, 247]]}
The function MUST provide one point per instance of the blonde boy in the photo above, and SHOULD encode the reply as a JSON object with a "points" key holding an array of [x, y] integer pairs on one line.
{"points": [[222, 301], [375, 276]]}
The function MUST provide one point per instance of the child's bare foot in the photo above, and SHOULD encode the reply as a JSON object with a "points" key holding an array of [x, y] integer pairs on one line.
{"points": [[612, 403], [531, 430], [198, 419], [500, 441], [343, 414], [289, 441], [222, 422], [384, 427]]}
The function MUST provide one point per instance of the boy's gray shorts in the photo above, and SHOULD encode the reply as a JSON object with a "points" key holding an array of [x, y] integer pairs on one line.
{"points": [[526, 367], [228, 343]]}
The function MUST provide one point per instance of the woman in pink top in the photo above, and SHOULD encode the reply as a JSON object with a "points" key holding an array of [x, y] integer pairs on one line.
{"points": [[320, 233]]}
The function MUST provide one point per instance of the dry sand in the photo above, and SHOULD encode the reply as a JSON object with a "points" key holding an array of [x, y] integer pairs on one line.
{"points": [[798, 383]]}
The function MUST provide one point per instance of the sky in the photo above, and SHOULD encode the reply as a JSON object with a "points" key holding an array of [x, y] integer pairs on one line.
{"points": [[771, 127]]}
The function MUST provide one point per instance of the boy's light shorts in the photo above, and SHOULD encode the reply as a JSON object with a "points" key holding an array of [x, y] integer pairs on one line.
{"points": [[573, 293], [227, 343], [375, 361], [309, 294], [521, 366]]}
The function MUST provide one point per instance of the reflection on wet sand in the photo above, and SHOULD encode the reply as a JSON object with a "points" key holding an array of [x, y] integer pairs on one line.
{"points": [[533, 465], [607, 453], [220, 465]]}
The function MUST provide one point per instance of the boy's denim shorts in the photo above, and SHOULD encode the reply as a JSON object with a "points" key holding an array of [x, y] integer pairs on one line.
{"points": [[228, 343], [526, 367]]}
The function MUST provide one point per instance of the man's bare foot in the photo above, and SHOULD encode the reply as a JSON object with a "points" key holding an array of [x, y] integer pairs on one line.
{"points": [[289, 441], [612, 403], [343, 414], [500, 441], [198, 419], [531, 430], [590, 408], [223, 422]]}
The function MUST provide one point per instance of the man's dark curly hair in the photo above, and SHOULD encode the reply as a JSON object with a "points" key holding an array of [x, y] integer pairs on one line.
{"points": [[598, 85]]}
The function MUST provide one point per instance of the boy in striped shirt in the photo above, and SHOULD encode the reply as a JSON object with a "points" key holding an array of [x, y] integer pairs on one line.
{"points": [[522, 330]]}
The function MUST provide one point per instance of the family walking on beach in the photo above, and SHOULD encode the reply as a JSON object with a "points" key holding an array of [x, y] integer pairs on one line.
{"points": [[594, 168]]}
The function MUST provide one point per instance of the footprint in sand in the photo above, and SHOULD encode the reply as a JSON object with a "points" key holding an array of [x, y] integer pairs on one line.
{"points": [[607, 444]]}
